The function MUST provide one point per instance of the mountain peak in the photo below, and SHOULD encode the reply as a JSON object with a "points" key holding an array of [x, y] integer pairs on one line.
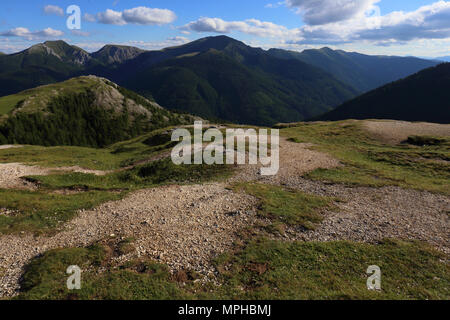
{"points": [[222, 41], [110, 54], [56, 43], [61, 50], [215, 42], [326, 49]]}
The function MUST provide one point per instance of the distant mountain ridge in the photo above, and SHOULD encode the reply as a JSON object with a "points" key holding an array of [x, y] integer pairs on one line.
{"points": [[446, 58], [424, 96], [363, 72], [54, 61]]}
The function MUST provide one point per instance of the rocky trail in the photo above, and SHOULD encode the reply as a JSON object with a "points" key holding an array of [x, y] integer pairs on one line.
{"points": [[186, 226]]}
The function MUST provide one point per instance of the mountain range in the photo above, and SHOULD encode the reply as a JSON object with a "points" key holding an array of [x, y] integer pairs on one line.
{"points": [[424, 96], [216, 77], [446, 58], [362, 72]]}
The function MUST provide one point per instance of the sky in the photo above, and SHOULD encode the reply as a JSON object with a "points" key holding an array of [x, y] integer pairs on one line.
{"points": [[388, 27]]}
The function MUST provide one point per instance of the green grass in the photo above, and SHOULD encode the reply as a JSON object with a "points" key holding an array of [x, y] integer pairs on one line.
{"points": [[262, 269], [8, 103], [89, 158], [45, 278], [367, 161], [337, 270], [116, 156], [43, 212], [288, 207]]}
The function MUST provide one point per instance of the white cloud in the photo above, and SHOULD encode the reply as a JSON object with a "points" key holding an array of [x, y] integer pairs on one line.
{"points": [[138, 15], [50, 9], [274, 5], [25, 33], [157, 45], [360, 23], [250, 26], [318, 12], [111, 17], [428, 22], [92, 46], [149, 16]]}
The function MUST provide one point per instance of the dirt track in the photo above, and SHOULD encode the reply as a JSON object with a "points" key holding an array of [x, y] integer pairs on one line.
{"points": [[11, 174], [185, 226]]}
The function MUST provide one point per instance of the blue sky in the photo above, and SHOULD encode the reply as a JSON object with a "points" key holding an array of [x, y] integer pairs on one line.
{"points": [[393, 27]]}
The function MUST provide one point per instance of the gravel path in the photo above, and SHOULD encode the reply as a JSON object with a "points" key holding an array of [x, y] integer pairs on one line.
{"points": [[296, 159], [186, 226], [182, 226], [370, 215]]}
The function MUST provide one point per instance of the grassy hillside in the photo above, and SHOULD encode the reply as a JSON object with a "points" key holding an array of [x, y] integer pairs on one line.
{"points": [[85, 111], [421, 97]]}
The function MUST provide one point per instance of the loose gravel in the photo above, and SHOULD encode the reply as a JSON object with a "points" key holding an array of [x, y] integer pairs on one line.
{"points": [[182, 226], [186, 226]]}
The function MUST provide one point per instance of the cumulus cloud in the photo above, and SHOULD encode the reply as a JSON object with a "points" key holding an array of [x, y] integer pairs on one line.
{"points": [[318, 12], [139, 15], [149, 16], [146, 45], [157, 45], [50, 9], [25, 33], [348, 23], [250, 26], [111, 17], [428, 22]]}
